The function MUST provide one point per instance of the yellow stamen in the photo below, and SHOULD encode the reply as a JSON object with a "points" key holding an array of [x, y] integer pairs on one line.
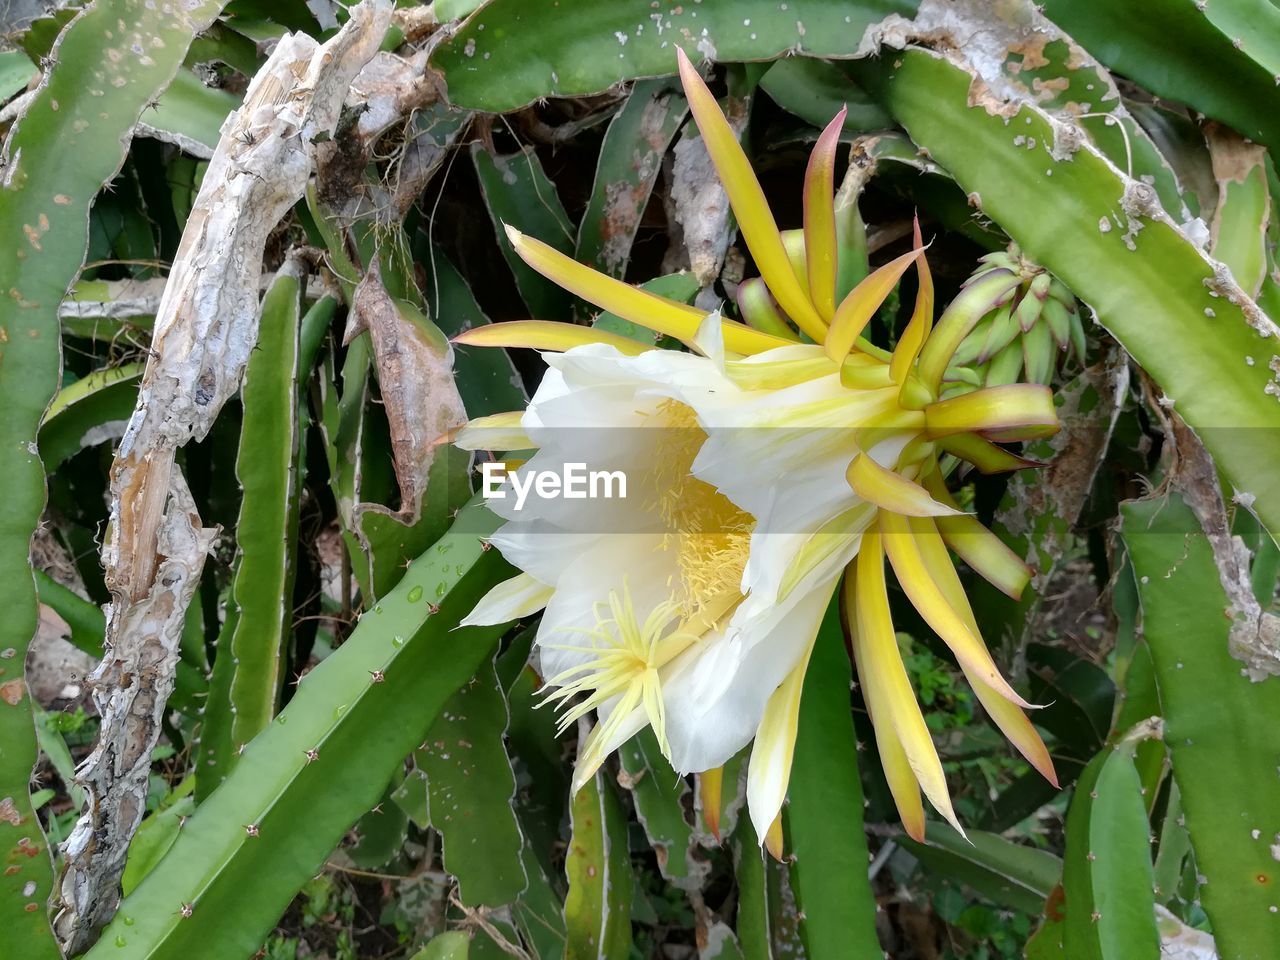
{"points": [[626, 656], [710, 535]]}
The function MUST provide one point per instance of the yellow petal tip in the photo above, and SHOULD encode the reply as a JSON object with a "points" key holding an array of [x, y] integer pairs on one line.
{"points": [[773, 838]]}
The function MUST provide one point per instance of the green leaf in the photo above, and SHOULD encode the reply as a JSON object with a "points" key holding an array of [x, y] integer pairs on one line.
{"points": [[156, 834], [659, 798], [815, 90], [1239, 228], [518, 192], [190, 115], [675, 286], [1006, 873], [1223, 749], [1219, 57], [597, 909], [487, 379], [1175, 844], [1107, 875], [222, 44], [1149, 284], [1063, 79], [469, 786], [324, 761], [87, 622], [447, 10], [538, 912], [16, 71], [380, 836], [630, 160], [823, 818], [447, 946], [81, 411], [69, 143], [513, 52]]}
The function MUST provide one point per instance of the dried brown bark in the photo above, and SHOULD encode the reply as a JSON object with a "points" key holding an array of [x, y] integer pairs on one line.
{"points": [[206, 325]]}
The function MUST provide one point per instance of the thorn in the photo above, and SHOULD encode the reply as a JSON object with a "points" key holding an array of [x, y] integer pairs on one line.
{"points": [[377, 676], [187, 909], [312, 755], [251, 829]]}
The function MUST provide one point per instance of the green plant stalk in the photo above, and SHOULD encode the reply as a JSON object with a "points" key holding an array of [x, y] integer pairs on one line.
{"points": [[503, 58], [70, 142], [823, 818], [752, 922], [1223, 751], [252, 650], [1150, 286], [597, 909], [300, 784], [1107, 874]]}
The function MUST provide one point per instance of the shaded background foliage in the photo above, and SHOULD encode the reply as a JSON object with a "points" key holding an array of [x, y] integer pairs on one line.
{"points": [[434, 815]]}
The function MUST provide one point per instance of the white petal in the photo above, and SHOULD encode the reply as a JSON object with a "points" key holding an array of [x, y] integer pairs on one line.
{"points": [[512, 599], [636, 561], [541, 549], [717, 699], [710, 339], [769, 771]]}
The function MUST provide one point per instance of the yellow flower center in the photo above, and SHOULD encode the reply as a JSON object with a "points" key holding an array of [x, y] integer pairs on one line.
{"points": [[710, 536]]}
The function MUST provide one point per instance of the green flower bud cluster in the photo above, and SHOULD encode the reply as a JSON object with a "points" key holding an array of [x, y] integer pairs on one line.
{"points": [[1025, 337]]}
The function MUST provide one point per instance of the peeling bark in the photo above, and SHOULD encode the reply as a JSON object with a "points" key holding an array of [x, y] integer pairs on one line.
{"points": [[131, 688], [414, 364], [206, 325], [700, 203]]}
